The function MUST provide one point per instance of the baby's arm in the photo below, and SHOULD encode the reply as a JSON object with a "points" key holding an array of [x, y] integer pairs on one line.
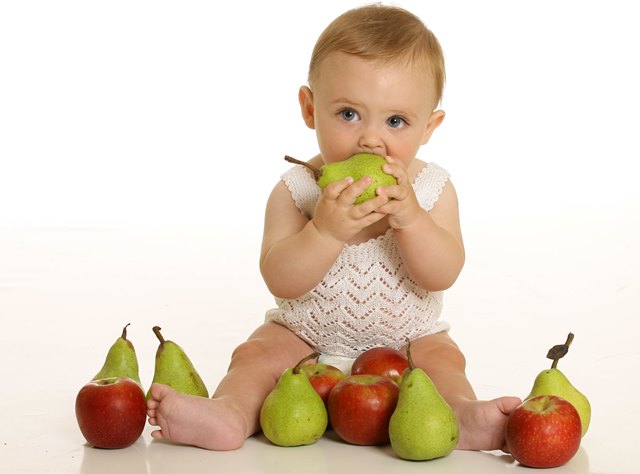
{"points": [[430, 243], [298, 252], [294, 255]]}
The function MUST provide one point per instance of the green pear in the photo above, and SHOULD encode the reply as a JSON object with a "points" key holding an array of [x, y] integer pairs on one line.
{"points": [[423, 426], [553, 382], [121, 360], [293, 414], [357, 166], [174, 368]]}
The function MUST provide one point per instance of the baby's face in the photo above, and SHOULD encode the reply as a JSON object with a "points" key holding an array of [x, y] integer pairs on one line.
{"points": [[367, 107]]}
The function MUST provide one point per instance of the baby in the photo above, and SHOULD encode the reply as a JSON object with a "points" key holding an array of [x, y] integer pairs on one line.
{"points": [[350, 277]]}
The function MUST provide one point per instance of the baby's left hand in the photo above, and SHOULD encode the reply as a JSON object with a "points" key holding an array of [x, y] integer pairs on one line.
{"points": [[403, 207]]}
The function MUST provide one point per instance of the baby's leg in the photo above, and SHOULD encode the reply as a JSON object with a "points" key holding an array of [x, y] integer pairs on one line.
{"points": [[482, 423], [232, 414]]}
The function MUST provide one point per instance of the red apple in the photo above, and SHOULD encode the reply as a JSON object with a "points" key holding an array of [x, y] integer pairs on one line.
{"points": [[544, 431], [323, 378], [360, 406], [111, 412], [383, 361]]}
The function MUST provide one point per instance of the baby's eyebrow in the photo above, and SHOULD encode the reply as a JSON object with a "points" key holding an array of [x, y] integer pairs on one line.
{"points": [[404, 113], [344, 100]]}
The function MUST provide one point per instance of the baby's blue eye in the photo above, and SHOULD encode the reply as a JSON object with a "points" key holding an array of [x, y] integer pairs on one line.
{"points": [[396, 122], [349, 115]]}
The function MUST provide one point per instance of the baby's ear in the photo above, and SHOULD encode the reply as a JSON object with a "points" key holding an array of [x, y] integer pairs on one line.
{"points": [[434, 122], [305, 98]]}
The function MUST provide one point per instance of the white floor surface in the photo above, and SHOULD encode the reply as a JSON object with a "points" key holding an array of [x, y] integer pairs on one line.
{"points": [[66, 293]]}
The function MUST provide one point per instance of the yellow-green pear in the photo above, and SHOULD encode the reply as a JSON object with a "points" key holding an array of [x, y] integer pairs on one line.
{"points": [[121, 360], [174, 368], [553, 382], [356, 167], [423, 426], [293, 414]]}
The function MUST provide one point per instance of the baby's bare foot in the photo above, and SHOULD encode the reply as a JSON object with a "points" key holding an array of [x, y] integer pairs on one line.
{"points": [[198, 421], [482, 423]]}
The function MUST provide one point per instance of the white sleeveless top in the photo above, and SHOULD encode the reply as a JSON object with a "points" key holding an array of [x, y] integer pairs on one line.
{"points": [[367, 298]]}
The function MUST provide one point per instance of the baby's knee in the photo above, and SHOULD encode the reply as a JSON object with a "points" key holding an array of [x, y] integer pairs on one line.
{"points": [[249, 350], [454, 355], [258, 352], [271, 345], [438, 347]]}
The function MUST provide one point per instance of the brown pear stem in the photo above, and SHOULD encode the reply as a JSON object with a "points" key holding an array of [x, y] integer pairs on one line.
{"points": [[566, 345], [124, 332], [411, 364], [316, 172], [156, 331], [296, 369]]}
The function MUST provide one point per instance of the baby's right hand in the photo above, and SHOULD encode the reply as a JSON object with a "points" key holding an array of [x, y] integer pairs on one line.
{"points": [[337, 216]]}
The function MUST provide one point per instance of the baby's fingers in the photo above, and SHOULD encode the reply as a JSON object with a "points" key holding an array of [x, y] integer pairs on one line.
{"points": [[346, 190], [373, 204], [334, 190], [396, 169], [356, 189], [394, 192]]}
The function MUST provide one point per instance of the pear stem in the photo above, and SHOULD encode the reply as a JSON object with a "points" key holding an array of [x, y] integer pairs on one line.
{"points": [[411, 364], [124, 332], [296, 369], [564, 349], [316, 172], [156, 331]]}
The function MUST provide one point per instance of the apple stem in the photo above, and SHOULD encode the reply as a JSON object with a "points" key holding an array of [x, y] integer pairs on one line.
{"points": [[316, 172], [296, 369], [558, 352], [124, 332], [411, 365], [156, 331]]}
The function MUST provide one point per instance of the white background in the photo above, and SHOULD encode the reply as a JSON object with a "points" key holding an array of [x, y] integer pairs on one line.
{"points": [[129, 113], [140, 140]]}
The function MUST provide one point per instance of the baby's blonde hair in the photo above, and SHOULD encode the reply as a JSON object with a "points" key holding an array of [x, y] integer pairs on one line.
{"points": [[382, 33]]}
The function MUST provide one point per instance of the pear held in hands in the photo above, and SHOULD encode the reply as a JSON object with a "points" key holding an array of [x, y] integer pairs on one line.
{"points": [[174, 368], [121, 360], [357, 166], [423, 425], [293, 414], [554, 382]]}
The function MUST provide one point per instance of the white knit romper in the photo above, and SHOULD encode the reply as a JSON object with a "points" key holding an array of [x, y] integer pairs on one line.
{"points": [[367, 299]]}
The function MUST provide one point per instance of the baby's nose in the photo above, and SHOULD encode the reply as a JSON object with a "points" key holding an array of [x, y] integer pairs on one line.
{"points": [[371, 142]]}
